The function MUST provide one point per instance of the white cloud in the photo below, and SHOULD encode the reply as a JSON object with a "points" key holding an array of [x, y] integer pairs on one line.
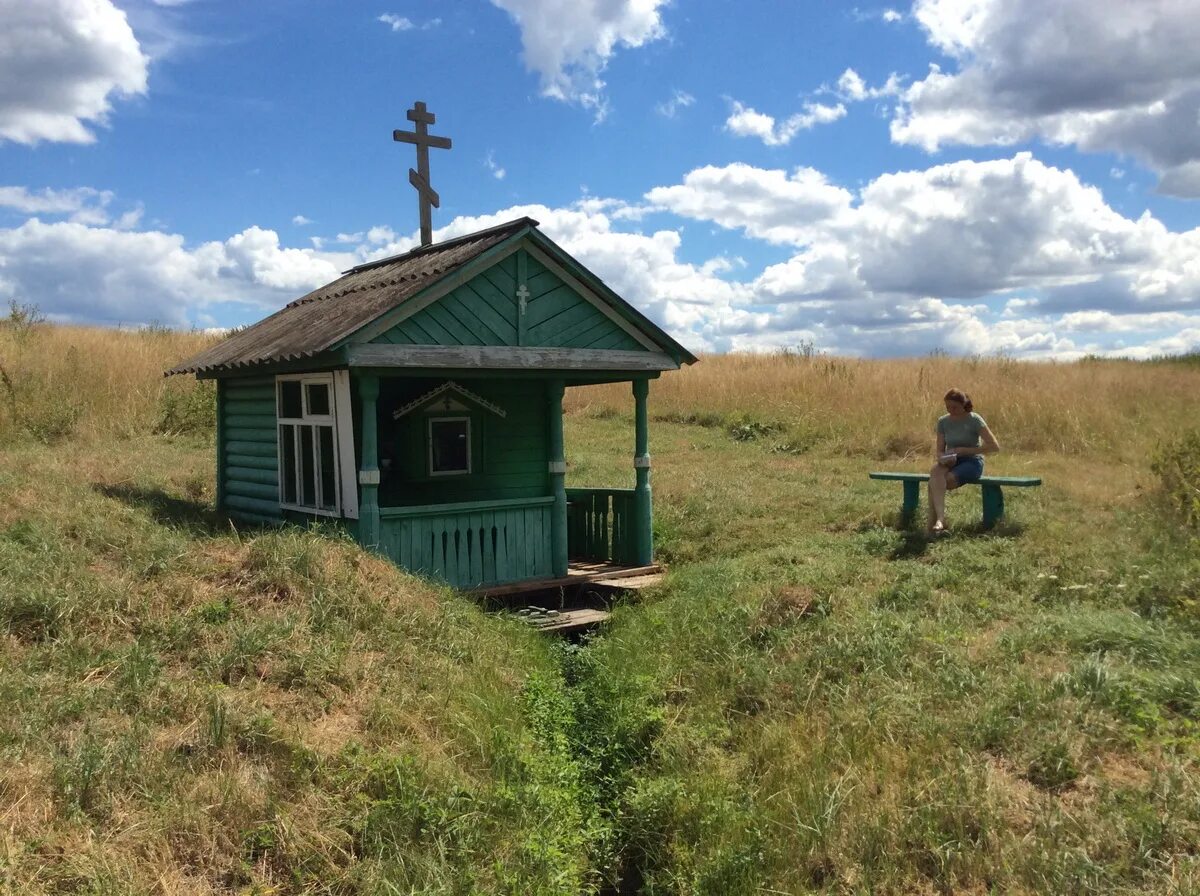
{"points": [[380, 234], [852, 88], [1095, 321], [397, 23], [256, 256], [403, 23], [972, 228], [913, 261], [128, 220], [680, 99], [498, 171], [744, 121], [77, 272], [1181, 343], [1103, 75], [958, 230], [80, 203], [766, 203], [892, 15], [61, 62], [300, 220], [570, 42]]}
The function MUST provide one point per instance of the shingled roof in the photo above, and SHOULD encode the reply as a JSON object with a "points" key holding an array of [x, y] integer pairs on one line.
{"points": [[320, 320]]}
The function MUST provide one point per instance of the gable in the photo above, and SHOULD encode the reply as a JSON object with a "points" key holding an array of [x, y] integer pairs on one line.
{"points": [[487, 311], [445, 398]]}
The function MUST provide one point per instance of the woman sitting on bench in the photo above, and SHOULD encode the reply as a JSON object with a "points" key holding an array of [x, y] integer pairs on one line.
{"points": [[963, 438]]}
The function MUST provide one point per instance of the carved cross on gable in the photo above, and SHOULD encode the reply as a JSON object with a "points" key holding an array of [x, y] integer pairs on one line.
{"points": [[420, 136]]}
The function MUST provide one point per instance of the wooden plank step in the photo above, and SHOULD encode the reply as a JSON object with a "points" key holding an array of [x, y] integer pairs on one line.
{"points": [[568, 620], [605, 572], [621, 572], [631, 583]]}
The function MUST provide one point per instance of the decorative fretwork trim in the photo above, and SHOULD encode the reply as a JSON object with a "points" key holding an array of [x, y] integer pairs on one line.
{"points": [[449, 386]]}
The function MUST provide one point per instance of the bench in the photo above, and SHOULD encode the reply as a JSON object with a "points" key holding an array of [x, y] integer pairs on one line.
{"points": [[991, 488]]}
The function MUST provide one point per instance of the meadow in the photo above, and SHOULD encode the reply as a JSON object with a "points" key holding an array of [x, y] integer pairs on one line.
{"points": [[815, 700]]}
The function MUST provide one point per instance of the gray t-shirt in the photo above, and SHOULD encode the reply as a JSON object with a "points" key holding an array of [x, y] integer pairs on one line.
{"points": [[961, 433]]}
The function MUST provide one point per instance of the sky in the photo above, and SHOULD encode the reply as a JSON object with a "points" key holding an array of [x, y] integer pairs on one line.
{"points": [[975, 177]]}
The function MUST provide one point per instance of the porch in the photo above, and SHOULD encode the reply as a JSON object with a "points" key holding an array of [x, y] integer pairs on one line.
{"points": [[507, 546], [544, 535]]}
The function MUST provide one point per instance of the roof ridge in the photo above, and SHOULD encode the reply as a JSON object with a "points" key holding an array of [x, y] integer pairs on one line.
{"points": [[447, 244]]}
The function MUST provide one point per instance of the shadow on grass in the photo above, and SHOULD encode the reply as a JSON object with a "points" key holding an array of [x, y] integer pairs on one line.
{"points": [[1002, 529], [912, 544], [915, 542], [195, 516]]}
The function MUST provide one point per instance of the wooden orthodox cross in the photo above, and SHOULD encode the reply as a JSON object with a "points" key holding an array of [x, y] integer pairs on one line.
{"points": [[426, 194]]}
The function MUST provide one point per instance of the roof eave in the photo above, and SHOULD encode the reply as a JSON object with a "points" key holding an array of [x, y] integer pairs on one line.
{"points": [[526, 221]]}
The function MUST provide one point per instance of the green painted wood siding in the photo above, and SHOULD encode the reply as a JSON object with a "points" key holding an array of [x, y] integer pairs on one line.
{"points": [[468, 545], [510, 455], [248, 462], [485, 311], [601, 525]]}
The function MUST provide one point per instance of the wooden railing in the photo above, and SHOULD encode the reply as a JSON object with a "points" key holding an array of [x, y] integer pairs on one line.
{"points": [[600, 525], [471, 544]]}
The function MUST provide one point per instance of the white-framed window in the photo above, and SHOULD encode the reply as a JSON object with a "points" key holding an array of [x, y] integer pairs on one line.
{"points": [[309, 468], [449, 446]]}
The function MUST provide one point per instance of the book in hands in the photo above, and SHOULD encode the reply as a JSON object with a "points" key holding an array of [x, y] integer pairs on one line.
{"points": [[948, 459]]}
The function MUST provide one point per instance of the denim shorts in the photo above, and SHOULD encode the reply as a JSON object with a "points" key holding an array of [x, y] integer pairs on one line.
{"points": [[968, 469]]}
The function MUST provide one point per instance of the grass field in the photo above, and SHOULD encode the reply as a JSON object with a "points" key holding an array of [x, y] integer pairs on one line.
{"points": [[814, 701]]}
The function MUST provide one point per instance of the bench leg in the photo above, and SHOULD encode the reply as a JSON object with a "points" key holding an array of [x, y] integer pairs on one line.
{"points": [[912, 500], [993, 505]]}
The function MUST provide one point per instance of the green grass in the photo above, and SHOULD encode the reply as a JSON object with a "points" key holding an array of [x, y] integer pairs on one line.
{"points": [[192, 709], [846, 707], [814, 701]]}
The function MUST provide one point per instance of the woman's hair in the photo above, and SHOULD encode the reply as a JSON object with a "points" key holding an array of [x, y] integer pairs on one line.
{"points": [[961, 397]]}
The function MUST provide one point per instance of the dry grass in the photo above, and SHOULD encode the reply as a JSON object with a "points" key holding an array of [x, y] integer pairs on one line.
{"points": [[58, 382], [1121, 409], [813, 700]]}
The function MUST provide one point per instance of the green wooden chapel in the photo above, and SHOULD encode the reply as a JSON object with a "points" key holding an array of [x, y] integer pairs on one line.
{"points": [[418, 401]]}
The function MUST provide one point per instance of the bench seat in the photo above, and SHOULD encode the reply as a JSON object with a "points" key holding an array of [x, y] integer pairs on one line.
{"points": [[991, 489]]}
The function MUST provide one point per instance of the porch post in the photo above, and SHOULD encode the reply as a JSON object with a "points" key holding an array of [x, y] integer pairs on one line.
{"points": [[368, 472], [643, 525], [558, 478]]}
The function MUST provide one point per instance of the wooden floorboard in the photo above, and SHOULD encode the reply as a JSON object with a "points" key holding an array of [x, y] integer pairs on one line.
{"points": [[630, 583], [573, 620], [577, 574]]}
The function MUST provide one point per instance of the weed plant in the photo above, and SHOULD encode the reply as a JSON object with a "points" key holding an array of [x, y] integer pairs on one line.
{"points": [[1177, 464]]}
